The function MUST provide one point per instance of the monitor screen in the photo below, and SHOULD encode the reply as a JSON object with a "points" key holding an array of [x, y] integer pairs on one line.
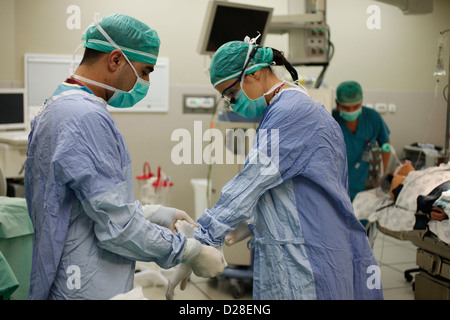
{"points": [[12, 109], [227, 21]]}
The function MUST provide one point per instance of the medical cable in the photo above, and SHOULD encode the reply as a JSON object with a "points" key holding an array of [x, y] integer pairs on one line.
{"points": [[380, 262], [392, 149], [72, 63], [427, 127], [329, 57], [208, 176], [440, 71]]}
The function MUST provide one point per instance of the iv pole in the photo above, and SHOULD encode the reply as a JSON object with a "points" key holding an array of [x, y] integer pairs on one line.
{"points": [[447, 127]]}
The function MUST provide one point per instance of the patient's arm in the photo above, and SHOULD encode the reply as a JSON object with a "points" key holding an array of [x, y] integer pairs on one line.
{"points": [[399, 175], [437, 213], [396, 181]]}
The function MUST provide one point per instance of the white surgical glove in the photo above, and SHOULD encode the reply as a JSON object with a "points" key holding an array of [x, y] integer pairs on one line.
{"points": [[240, 233], [183, 271], [185, 227], [206, 261], [165, 216], [181, 216]]}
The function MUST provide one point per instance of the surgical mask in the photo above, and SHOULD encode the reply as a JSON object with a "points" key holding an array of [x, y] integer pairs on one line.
{"points": [[350, 116], [249, 108], [120, 98]]}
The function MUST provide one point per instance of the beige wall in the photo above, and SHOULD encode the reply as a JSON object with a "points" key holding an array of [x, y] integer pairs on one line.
{"points": [[7, 38], [148, 137], [398, 56], [394, 65]]}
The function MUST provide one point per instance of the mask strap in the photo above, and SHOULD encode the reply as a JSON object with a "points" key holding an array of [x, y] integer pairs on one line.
{"points": [[250, 42], [98, 84], [72, 63], [253, 40], [111, 41], [279, 84]]}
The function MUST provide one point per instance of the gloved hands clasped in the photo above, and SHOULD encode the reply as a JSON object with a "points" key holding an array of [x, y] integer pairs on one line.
{"points": [[166, 216]]}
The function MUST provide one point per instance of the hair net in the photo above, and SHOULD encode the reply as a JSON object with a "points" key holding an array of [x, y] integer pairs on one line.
{"points": [[349, 92], [137, 40], [228, 61]]}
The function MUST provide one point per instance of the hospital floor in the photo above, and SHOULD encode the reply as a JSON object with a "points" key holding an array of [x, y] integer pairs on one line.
{"points": [[393, 256]]}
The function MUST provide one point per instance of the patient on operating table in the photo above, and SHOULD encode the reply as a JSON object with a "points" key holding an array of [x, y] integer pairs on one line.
{"points": [[393, 182]]}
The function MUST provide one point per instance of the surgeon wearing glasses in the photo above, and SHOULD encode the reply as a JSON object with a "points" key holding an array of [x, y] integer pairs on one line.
{"points": [[292, 193]]}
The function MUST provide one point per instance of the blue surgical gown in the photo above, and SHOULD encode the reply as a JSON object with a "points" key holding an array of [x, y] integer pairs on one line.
{"points": [[308, 243], [89, 230], [371, 130]]}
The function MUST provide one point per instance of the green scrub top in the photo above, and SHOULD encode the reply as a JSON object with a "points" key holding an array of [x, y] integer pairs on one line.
{"points": [[371, 129], [8, 281], [16, 248]]}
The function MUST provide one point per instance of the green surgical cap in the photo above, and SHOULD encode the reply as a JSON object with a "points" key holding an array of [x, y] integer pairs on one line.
{"points": [[349, 92], [137, 40], [229, 59]]}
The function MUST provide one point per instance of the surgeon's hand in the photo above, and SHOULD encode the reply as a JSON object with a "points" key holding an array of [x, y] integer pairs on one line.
{"points": [[204, 268], [209, 262], [183, 271], [205, 261], [181, 274], [184, 217], [166, 216], [240, 233]]}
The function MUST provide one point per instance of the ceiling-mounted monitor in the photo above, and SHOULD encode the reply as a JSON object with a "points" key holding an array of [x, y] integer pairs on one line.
{"points": [[228, 21]]}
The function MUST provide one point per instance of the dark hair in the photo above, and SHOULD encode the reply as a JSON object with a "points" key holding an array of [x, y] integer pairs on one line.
{"points": [[280, 60], [91, 56]]}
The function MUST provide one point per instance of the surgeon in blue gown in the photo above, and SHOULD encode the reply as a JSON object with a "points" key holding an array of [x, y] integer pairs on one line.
{"points": [[88, 228], [293, 189]]}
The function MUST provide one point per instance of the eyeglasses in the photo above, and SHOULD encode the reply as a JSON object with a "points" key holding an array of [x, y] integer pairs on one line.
{"points": [[229, 95]]}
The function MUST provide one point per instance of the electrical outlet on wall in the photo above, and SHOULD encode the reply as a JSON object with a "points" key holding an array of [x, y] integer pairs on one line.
{"points": [[199, 103], [381, 107], [392, 108]]}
